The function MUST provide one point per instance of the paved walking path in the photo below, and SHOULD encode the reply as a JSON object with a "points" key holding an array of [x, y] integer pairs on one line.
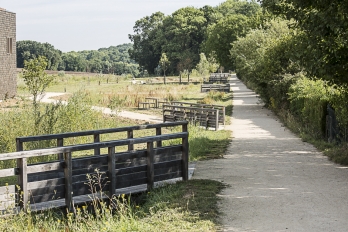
{"points": [[275, 181]]}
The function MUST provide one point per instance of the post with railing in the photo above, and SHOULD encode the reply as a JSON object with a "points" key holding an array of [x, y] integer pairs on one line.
{"points": [[185, 154], [68, 181], [22, 190], [150, 166], [112, 171]]}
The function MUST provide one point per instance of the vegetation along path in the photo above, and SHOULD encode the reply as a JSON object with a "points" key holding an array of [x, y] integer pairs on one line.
{"points": [[275, 182]]}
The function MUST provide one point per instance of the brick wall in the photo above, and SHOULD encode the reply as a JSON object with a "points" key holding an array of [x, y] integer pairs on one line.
{"points": [[8, 74]]}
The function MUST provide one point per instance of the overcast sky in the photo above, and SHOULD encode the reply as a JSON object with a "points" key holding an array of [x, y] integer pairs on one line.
{"points": [[75, 25]]}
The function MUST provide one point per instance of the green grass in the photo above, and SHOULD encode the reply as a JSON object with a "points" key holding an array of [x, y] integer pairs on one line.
{"points": [[185, 206]]}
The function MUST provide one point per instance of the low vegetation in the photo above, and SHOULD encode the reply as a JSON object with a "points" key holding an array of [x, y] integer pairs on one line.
{"points": [[185, 206]]}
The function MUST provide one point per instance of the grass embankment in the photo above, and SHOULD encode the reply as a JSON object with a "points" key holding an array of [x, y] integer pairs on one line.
{"points": [[185, 206]]}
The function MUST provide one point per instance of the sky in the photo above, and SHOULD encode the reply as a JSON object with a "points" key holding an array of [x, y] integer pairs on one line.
{"points": [[76, 25]]}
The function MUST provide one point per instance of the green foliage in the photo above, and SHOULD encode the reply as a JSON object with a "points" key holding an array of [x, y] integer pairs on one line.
{"points": [[36, 80], [164, 63], [324, 26], [114, 59], [28, 49], [309, 100]]}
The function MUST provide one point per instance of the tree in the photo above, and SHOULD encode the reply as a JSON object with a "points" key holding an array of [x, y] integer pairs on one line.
{"points": [[324, 27], [184, 32], [164, 63], [36, 80], [203, 65], [147, 41], [223, 34], [28, 49]]}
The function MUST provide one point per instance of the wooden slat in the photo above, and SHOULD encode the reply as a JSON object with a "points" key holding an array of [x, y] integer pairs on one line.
{"points": [[93, 132], [168, 176], [51, 166], [45, 175], [125, 184], [45, 183], [46, 198], [81, 147], [8, 172], [11, 189]]}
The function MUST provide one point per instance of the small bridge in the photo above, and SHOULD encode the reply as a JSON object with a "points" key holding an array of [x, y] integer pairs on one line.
{"points": [[62, 182]]}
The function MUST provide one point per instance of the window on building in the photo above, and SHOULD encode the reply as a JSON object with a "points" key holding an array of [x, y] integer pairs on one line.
{"points": [[9, 45]]}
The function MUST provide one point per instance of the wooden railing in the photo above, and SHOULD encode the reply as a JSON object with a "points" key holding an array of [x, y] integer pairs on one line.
{"points": [[208, 118], [62, 183], [221, 108], [219, 77], [216, 87]]}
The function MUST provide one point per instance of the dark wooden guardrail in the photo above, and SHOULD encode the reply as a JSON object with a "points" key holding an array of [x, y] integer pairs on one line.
{"points": [[62, 183], [219, 77], [222, 109], [201, 116], [216, 87]]}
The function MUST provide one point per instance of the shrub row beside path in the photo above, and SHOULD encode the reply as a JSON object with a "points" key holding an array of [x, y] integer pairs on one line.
{"points": [[275, 181]]}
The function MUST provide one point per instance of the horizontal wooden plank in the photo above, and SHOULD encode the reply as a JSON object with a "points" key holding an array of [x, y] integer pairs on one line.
{"points": [[44, 167], [41, 176], [8, 172], [131, 177], [11, 189], [7, 197], [168, 176], [47, 190], [45, 183], [125, 184], [67, 149], [35, 199], [131, 170], [96, 132]]}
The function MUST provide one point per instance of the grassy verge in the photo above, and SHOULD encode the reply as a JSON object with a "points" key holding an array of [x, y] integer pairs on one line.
{"points": [[185, 206]]}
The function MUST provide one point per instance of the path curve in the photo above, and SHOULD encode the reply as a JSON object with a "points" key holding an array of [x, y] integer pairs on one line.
{"points": [[47, 98], [275, 181]]}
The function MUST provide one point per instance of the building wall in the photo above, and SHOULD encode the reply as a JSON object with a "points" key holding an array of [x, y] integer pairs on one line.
{"points": [[8, 74]]}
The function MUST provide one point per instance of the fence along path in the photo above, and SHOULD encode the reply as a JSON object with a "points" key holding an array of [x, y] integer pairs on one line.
{"points": [[206, 117], [62, 183]]}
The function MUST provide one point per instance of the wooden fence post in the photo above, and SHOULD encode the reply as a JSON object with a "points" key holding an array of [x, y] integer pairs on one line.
{"points": [[68, 181], [150, 166], [60, 143], [130, 136], [23, 195], [159, 132], [217, 120], [112, 171], [96, 140], [185, 154], [223, 114]]}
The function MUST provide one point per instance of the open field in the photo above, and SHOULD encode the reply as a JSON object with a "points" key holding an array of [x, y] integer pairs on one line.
{"points": [[183, 204]]}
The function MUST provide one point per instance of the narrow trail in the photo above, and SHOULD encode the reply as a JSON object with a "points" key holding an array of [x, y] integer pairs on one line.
{"points": [[46, 97], [275, 182]]}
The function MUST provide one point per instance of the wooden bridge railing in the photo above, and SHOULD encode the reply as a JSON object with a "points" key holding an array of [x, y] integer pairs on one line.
{"points": [[216, 87], [221, 108], [201, 116], [62, 183], [96, 135], [219, 77]]}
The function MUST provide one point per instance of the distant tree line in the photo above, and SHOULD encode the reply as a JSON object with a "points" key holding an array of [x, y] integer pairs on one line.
{"points": [[190, 31], [113, 60]]}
